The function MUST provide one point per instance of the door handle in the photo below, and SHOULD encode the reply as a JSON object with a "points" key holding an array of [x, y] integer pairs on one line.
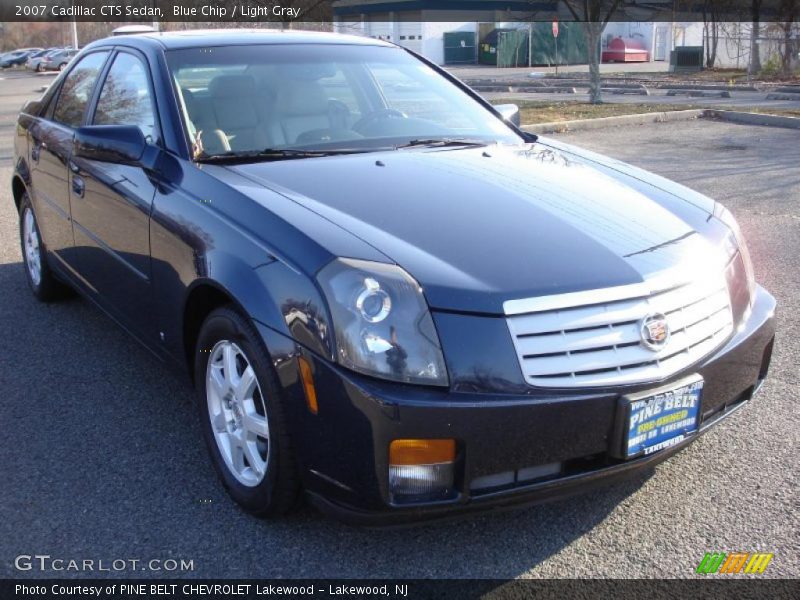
{"points": [[78, 186]]}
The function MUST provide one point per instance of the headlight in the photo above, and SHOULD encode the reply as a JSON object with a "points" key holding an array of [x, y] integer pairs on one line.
{"points": [[734, 241], [382, 324]]}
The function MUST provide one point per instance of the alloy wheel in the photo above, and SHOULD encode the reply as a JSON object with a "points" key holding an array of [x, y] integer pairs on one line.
{"points": [[237, 413], [31, 245]]}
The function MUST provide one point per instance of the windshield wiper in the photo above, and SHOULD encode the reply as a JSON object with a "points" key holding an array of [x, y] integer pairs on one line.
{"points": [[442, 143], [270, 154]]}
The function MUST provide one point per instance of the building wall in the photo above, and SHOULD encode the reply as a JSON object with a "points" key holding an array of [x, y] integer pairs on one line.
{"points": [[733, 48], [424, 34], [433, 37], [416, 31]]}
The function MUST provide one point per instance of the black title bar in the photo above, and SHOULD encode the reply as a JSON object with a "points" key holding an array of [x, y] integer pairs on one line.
{"points": [[321, 11]]}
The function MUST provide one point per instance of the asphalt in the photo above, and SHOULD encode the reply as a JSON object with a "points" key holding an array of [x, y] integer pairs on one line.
{"points": [[102, 457]]}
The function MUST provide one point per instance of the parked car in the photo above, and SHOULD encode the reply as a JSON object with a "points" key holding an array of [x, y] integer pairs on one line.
{"points": [[17, 58], [34, 62], [57, 61], [391, 298]]}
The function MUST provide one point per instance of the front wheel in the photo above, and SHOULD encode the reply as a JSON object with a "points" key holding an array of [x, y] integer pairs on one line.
{"points": [[41, 279], [241, 415]]}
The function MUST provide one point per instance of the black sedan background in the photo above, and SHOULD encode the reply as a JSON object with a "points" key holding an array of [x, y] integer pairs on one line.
{"points": [[240, 287]]}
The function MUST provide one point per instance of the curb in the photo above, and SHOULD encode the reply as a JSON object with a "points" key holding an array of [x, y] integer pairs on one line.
{"points": [[731, 116], [629, 83], [715, 87], [602, 122], [747, 118]]}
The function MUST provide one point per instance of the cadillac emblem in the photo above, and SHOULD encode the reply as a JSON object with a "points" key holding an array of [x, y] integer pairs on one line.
{"points": [[654, 331]]}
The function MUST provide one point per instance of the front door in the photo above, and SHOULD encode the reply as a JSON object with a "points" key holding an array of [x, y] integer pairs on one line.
{"points": [[111, 203]]}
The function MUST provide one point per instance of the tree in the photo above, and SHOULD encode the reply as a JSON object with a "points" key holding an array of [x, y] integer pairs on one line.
{"points": [[788, 14], [715, 14], [710, 31], [594, 15], [755, 56]]}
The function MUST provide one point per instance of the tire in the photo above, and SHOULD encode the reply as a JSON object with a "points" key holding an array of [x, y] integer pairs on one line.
{"points": [[62, 66], [245, 430], [39, 68], [41, 279]]}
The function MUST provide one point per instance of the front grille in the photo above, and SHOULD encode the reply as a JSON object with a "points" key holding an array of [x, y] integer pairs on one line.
{"points": [[570, 340]]}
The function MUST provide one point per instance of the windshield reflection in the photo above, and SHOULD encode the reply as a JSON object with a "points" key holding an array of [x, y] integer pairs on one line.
{"points": [[326, 97]]}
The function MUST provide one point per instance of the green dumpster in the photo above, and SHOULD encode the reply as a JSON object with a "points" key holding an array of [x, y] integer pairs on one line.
{"points": [[459, 48]]}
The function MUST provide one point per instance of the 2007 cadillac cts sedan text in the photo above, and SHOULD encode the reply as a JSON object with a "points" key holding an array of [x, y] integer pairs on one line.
{"points": [[385, 293]]}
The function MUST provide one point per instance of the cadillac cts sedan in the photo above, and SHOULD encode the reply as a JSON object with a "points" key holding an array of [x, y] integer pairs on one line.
{"points": [[386, 294]]}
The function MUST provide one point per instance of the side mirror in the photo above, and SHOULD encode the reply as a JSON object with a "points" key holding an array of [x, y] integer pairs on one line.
{"points": [[509, 112], [124, 144], [32, 107]]}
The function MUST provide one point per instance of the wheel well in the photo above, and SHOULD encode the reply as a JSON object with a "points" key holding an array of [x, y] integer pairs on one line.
{"points": [[202, 300], [18, 189]]}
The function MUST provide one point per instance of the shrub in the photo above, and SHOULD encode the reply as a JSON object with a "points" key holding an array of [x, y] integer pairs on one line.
{"points": [[772, 66]]}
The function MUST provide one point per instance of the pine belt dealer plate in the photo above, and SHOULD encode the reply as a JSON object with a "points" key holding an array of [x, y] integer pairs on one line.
{"points": [[661, 418]]}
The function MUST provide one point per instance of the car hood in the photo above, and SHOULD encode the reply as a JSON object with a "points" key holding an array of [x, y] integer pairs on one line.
{"points": [[480, 226]]}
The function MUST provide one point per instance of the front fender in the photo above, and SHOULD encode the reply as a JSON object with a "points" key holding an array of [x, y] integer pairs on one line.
{"points": [[273, 294], [22, 171], [293, 305]]}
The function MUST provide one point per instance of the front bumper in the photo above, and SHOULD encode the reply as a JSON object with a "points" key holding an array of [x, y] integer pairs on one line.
{"points": [[343, 450]]}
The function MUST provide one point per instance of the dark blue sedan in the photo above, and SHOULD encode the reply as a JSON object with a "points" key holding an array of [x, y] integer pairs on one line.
{"points": [[386, 294]]}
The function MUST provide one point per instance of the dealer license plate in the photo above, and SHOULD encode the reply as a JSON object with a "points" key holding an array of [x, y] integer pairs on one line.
{"points": [[660, 419]]}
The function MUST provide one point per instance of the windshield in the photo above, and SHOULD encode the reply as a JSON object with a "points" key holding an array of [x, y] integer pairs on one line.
{"points": [[245, 99]]}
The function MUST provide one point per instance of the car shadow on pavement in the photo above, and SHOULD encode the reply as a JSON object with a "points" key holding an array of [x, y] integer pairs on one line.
{"points": [[105, 459]]}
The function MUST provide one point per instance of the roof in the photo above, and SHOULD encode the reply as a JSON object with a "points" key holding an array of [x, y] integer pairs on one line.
{"points": [[198, 38]]}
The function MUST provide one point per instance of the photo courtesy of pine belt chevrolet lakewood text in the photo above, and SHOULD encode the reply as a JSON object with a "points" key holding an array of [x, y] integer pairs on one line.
{"points": [[386, 294]]}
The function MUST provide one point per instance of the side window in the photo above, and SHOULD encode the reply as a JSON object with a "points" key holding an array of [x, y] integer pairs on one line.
{"points": [[125, 96], [77, 90]]}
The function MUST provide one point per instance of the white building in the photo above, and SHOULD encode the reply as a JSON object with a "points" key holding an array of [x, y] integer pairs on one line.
{"points": [[422, 30], [414, 25], [424, 37]]}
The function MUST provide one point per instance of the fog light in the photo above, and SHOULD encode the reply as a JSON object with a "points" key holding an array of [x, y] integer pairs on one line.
{"points": [[421, 470]]}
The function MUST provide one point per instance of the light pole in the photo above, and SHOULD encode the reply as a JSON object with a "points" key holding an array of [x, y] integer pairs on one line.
{"points": [[155, 21], [530, 44]]}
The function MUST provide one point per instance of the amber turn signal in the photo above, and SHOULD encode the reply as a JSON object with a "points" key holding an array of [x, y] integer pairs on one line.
{"points": [[308, 385], [421, 452]]}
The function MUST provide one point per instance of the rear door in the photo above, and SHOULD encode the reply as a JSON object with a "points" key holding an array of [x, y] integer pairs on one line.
{"points": [[50, 148], [111, 202]]}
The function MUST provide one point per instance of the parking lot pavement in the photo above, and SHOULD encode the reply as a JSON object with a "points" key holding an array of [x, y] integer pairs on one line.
{"points": [[16, 88], [103, 458]]}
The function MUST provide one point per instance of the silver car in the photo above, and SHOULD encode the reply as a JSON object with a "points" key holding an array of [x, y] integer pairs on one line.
{"points": [[35, 62], [58, 60]]}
